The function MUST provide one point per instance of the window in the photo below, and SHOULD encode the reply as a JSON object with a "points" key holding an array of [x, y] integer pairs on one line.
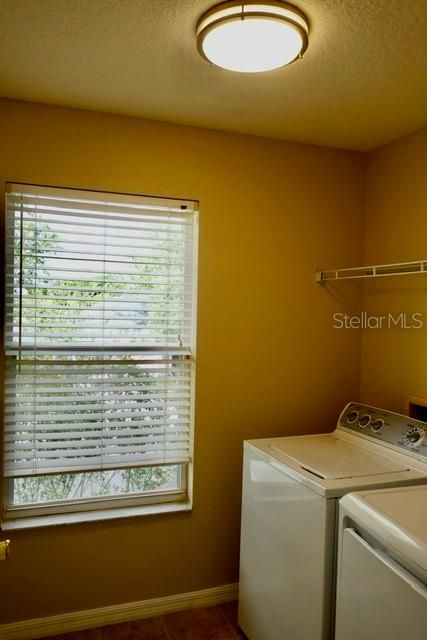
{"points": [[99, 335]]}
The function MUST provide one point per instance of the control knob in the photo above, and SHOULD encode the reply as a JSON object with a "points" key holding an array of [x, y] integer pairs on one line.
{"points": [[413, 437], [364, 421], [352, 416], [377, 425]]}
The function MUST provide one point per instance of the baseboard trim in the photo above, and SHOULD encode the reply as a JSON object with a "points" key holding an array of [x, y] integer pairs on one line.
{"points": [[78, 620]]}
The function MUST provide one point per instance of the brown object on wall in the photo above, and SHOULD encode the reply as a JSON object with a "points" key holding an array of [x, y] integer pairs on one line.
{"points": [[416, 407]]}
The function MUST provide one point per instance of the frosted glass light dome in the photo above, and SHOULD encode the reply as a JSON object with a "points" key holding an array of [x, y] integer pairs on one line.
{"points": [[251, 37]]}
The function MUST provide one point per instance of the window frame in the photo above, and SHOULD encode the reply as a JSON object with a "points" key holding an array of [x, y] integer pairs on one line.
{"points": [[118, 505], [55, 507]]}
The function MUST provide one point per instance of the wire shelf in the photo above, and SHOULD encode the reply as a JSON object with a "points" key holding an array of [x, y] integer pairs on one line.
{"points": [[376, 271]]}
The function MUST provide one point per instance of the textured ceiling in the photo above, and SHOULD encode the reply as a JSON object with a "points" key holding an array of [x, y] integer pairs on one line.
{"points": [[361, 83]]}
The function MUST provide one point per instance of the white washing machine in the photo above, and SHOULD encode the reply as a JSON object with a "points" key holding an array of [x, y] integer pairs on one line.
{"points": [[291, 488], [382, 565]]}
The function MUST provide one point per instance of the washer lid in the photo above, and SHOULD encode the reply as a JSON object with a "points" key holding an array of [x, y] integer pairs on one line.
{"points": [[331, 458]]}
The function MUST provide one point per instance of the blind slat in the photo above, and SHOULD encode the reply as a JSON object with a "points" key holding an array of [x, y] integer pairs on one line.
{"points": [[74, 427]]}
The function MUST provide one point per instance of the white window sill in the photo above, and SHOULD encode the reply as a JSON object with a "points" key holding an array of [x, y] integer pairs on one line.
{"points": [[34, 522]]}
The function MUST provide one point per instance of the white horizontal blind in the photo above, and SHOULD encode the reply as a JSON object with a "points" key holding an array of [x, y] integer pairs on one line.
{"points": [[99, 330]]}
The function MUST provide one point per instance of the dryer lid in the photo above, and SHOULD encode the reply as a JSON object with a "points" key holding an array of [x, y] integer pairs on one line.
{"points": [[397, 517], [331, 458]]}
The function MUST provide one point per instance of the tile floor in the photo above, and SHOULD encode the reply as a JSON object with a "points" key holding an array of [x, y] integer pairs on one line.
{"points": [[209, 623]]}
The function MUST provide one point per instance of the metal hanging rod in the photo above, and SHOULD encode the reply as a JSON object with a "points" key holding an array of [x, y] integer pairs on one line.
{"points": [[376, 271]]}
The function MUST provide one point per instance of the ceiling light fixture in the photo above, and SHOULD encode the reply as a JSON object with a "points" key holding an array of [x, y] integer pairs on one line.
{"points": [[252, 36]]}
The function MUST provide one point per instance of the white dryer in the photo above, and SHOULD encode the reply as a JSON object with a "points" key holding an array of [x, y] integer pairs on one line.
{"points": [[382, 565], [291, 488]]}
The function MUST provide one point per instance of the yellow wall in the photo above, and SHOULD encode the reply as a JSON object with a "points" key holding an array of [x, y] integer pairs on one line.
{"points": [[269, 362], [394, 361]]}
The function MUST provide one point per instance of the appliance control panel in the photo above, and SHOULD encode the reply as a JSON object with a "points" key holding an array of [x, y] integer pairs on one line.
{"points": [[402, 432]]}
